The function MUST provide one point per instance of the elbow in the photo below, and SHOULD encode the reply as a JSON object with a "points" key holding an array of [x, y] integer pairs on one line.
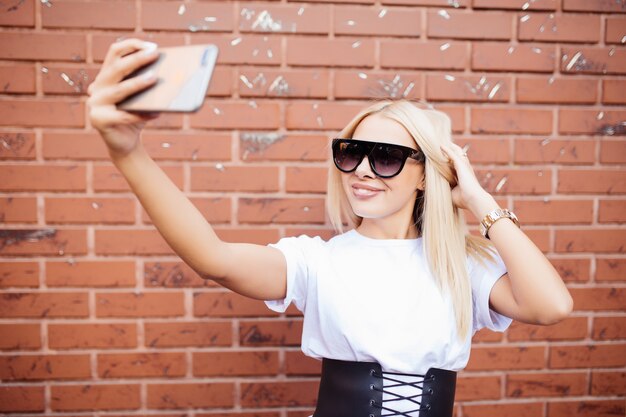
{"points": [[559, 311]]}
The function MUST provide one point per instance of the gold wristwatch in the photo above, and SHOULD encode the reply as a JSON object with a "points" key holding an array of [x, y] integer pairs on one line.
{"points": [[494, 216]]}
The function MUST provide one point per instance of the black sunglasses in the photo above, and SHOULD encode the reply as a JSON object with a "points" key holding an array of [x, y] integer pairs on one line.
{"points": [[386, 159]]}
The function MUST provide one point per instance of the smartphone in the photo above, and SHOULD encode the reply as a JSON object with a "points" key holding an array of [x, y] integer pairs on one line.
{"points": [[183, 76]]}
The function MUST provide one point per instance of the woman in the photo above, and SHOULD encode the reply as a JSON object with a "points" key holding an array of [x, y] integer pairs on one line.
{"points": [[390, 305]]}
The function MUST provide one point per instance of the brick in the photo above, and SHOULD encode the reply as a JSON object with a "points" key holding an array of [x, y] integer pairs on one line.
{"points": [[235, 115], [73, 145], [291, 18], [41, 305], [147, 304], [450, 87], [48, 242], [559, 28], [165, 15], [556, 90], [296, 363], [18, 78], [268, 82], [520, 181], [43, 177], [17, 145], [182, 334], [358, 20], [612, 211], [478, 388], [584, 181], [555, 211], [22, 398], [576, 121], [80, 210], [509, 120], [475, 25], [587, 408], [440, 3], [260, 236], [234, 363], [487, 336], [613, 91], [610, 269], [493, 358], [423, 55], [228, 304], [214, 210], [281, 210], [289, 147], [502, 56], [42, 112], [26, 336], [141, 365], [554, 151], [44, 367], [18, 210], [320, 115], [515, 4], [173, 275], [615, 30], [367, 84], [90, 274], [292, 393], [306, 179], [599, 299], [572, 270], [612, 151], [546, 385], [595, 6], [42, 47], [93, 15], [584, 240], [572, 328], [596, 356], [21, 14], [609, 328], [247, 49], [130, 242], [19, 274], [210, 146], [593, 60], [608, 383], [68, 80], [499, 410], [338, 52], [92, 335], [200, 395], [109, 178], [486, 150], [270, 333], [234, 178], [221, 82], [95, 397]]}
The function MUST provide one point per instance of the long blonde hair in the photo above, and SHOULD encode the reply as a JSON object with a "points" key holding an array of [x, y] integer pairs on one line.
{"points": [[447, 241]]}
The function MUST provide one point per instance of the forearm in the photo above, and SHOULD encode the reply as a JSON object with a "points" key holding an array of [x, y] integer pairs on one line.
{"points": [[179, 222], [536, 286]]}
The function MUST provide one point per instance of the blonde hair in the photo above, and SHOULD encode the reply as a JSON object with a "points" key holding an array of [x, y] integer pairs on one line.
{"points": [[447, 241]]}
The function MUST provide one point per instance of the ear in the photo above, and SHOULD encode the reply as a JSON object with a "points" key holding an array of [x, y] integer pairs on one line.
{"points": [[421, 184]]}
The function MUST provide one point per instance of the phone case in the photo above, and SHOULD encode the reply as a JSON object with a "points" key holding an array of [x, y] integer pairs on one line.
{"points": [[183, 76]]}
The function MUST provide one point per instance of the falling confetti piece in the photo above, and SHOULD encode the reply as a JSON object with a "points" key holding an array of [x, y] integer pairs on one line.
{"points": [[210, 19], [305, 208], [270, 54], [247, 13], [526, 6], [219, 167], [494, 90], [245, 80], [67, 79], [600, 116], [540, 174], [217, 111], [320, 122], [194, 155], [466, 148], [511, 50], [166, 145], [235, 41], [551, 80], [450, 77], [408, 89], [44, 70], [444, 46], [611, 51], [382, 13], [350, 23], [300, 11], [546, 200], [443, 14], [356, 44], [524, 18], [253, 104], [95, 205], [545, 142], [573, 61], [623, 39], [501, 183], [280, 86], [454, 3], [362, 75], [264, 21], [536, 50], [46, 2], [182, 9]]}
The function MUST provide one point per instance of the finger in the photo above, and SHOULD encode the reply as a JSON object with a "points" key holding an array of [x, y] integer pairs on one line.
{"points": [[110, 116], [122, 67], [115, 93], [125, 47]]}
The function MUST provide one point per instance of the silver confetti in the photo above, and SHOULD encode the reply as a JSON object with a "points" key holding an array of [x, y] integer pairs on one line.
{"points": [[526, 6], [270, 54], [623, 39], [450, 77], [362, 75], [182, 9], [95, 205], [494, 90], [611, 51], [408, 89], [444, 46], [166, 145], [351, 23], [454, 3], [235, 41], [44, 70], [217, 111], [356, 44], [219, 167], [501, 183], [210, 19], [320, 122], [573, 61], [264, 21], [280, 86], [536, 50], [600, 116], [247, 13], [382, 13], [253, 104], [300, 11], [245, 80], [443, 14], [306, 208], [511, 50], [46, 2], [524, 18], [545, 142]]}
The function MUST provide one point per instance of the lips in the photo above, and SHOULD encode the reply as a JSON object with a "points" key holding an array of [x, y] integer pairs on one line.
{"points": [[365, 190]]}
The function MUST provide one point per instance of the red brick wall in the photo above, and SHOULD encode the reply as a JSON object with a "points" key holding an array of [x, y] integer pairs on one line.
{"points": [[98, 315]]}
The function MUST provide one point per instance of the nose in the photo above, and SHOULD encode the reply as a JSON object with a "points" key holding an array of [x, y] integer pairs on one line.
{"points": [[363, 169]]}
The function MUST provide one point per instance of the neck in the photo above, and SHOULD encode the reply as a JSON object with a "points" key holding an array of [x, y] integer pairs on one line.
{"points": [[377, 229]]}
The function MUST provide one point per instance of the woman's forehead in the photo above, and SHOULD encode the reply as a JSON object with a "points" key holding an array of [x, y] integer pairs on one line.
{"points": [[377, 128]]}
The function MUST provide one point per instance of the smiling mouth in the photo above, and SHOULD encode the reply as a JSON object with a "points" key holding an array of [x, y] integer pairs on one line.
{"points": [[365, 192]]}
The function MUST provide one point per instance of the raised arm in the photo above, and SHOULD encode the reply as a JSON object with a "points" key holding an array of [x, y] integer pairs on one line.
{"points": [[252, 270]]}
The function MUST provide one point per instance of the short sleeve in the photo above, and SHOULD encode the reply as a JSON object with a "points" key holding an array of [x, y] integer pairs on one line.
{"points": [[483, 278], [296, 251]]}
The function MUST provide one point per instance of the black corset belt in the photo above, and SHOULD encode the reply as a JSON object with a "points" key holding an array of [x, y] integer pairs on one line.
{"points": [[355, 389]]}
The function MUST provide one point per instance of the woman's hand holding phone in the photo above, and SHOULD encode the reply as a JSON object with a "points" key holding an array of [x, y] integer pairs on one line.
{"points": [[121, 129]]}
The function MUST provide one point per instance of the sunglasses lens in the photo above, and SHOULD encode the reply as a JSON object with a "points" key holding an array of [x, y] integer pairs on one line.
{"points": [[387, 160], [347, 155]]}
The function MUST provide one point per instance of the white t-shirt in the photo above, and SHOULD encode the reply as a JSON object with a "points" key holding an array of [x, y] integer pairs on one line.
{"points": [[368, 299]]}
